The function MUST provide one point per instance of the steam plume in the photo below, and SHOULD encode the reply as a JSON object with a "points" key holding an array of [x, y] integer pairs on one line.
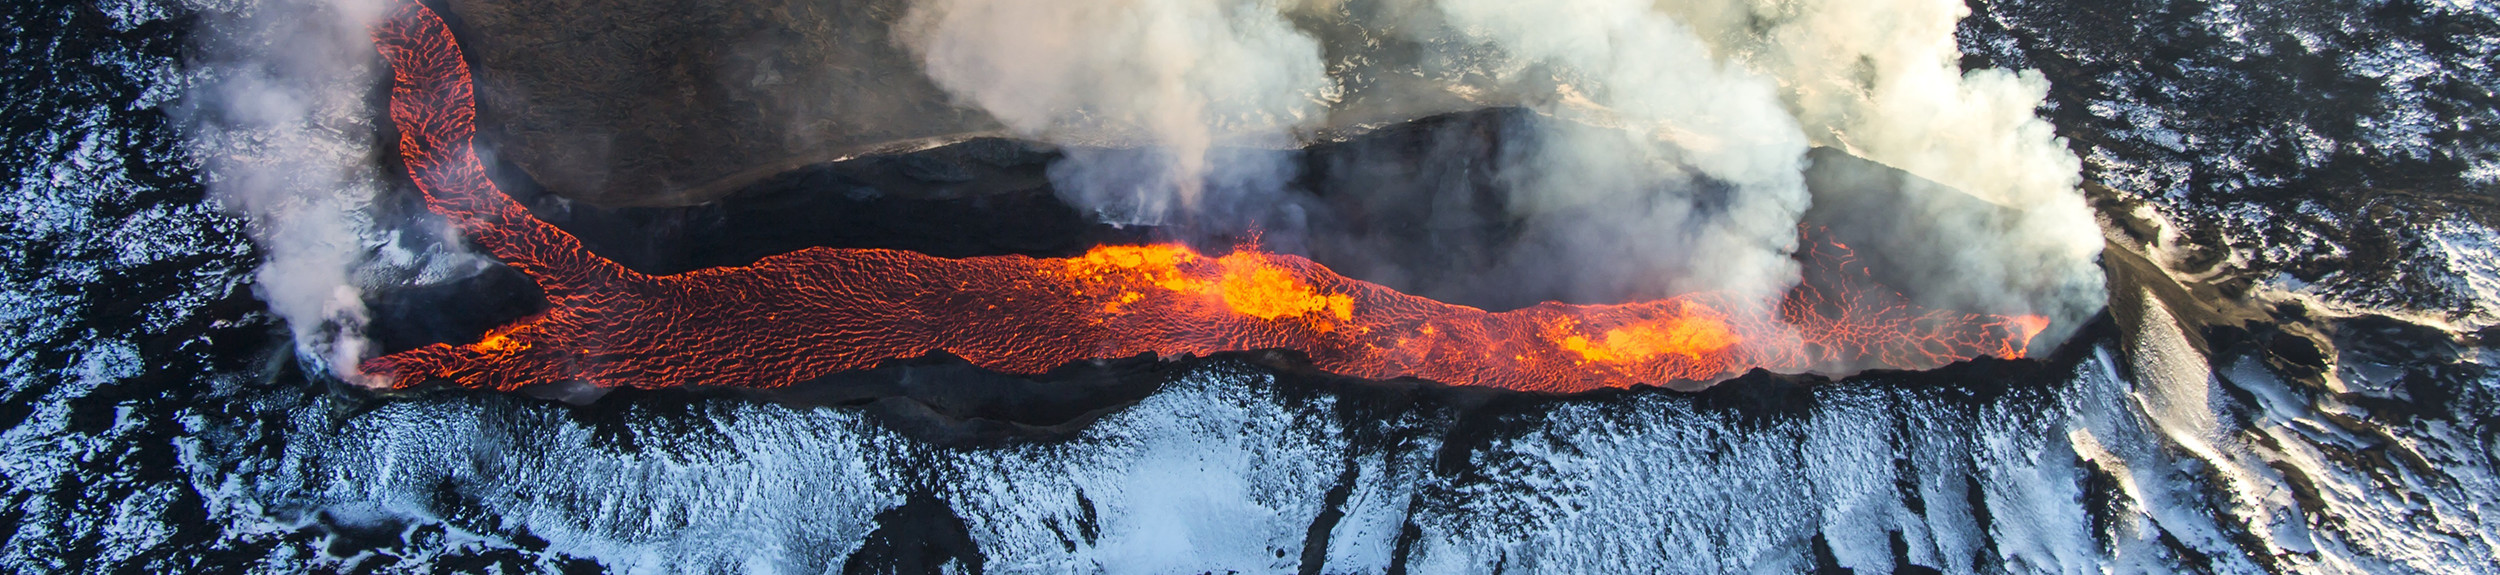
{"points": [[279, 117], [1679, 172], [1676, 158], [1167, 79], [1881, 80]]}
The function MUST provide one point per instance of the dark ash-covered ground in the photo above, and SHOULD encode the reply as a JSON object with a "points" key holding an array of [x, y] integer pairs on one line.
{"points": [[2294, 374]]}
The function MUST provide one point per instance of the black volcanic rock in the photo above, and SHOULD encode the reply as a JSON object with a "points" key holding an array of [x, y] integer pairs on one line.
{"points": [[2328, 145], [672, 103], [944, 400], [923, 535]]}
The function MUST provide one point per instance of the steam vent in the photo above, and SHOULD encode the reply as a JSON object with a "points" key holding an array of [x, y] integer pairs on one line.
{"points": [[1251, 286]]}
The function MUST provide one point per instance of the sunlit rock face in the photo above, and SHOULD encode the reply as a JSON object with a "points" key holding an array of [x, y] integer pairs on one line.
{"points": [[2230, 413]]}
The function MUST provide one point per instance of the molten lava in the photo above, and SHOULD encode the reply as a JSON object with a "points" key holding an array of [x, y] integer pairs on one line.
{"points": [[805, 314]]}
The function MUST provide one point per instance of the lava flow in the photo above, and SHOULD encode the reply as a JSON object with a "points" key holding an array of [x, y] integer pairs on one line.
{"points": [[805, 314]]}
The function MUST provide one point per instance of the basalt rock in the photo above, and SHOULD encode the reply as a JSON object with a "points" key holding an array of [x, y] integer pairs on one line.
{"points": [[676, 103]]}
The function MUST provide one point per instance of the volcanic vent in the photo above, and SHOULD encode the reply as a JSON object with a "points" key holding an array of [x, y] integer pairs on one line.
{"points": [[805, 314]]}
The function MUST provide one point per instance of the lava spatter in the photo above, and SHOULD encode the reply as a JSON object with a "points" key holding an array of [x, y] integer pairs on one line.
{"points": [[804, 314]]}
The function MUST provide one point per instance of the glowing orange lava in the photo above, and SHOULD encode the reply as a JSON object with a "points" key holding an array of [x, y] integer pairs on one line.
{"points": [[813, 312]]}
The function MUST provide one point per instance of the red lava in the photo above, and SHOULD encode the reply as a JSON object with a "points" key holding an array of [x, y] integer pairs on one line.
{"points": [[805, 314]]}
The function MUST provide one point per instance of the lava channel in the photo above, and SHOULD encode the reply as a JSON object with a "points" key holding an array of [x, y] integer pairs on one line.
{"points": [[805, 314]]}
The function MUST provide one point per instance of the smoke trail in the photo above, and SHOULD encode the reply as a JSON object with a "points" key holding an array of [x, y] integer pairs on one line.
{"points": [[1167, 80], [279, 115]]}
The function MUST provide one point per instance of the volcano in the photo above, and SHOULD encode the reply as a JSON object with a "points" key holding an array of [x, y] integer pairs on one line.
{"points": [[802, 315], [2291, 369]]}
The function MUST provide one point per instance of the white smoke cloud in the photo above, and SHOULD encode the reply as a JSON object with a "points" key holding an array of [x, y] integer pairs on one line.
{"points": [[279, 113], [1881, 80], [1174, 77], [1646, 184], [1675, 162], [1679, 172]]}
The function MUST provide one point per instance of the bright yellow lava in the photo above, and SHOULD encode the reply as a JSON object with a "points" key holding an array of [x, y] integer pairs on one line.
{"points": [[1253, 287], [1159, 264], [1246, 282], [1691, 335], [499, 341]]}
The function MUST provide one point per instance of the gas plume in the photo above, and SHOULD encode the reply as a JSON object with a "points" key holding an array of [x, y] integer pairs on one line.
{"points": [[280, 120], [1882, 81], [1162, 81], [1683, 168], [1672, 158], [279, 115]]}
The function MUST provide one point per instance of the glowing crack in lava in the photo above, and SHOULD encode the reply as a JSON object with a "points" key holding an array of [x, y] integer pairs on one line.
{"points": [[805, 314]]}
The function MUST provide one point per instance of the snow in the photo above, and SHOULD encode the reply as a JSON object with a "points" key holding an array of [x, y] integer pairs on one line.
{"points": [[1208, 476], [2471, 253]]}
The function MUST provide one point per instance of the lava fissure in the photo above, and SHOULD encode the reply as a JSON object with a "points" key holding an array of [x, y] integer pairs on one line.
{"points": [[813, 312]]}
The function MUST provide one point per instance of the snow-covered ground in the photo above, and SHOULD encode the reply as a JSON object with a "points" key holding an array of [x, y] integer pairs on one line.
{"points": [[2138, 459]]}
